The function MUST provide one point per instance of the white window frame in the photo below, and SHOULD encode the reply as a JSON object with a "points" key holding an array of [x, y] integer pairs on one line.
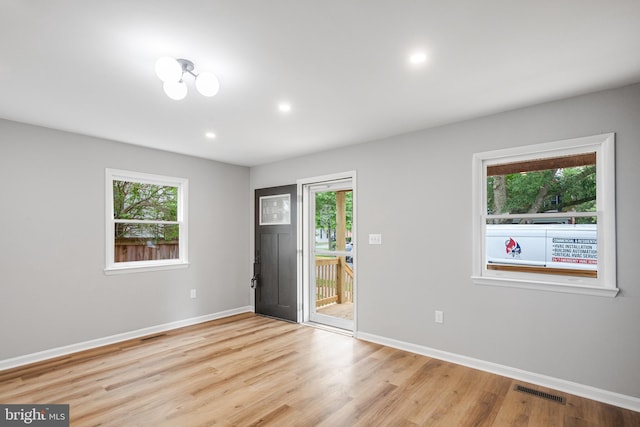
{"points": [[136, 266], [603, 285]]}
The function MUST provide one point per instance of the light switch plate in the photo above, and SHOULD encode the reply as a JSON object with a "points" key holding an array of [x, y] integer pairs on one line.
{"points": [[375, 239]]}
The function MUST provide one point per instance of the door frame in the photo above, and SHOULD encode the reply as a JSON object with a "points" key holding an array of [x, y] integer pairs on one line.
{"points": [[304, 242]]}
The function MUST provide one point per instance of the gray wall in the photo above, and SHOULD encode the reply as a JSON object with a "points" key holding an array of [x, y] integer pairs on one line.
{"points": [[415, 189], [53, 290]]}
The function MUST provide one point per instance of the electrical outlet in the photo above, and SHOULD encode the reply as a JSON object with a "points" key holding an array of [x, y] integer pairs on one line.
{"points": [[193, 293], [439, 316]]}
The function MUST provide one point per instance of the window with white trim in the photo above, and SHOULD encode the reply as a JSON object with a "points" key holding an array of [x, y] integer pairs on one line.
{"points": [[146, 221], [544, 216]]}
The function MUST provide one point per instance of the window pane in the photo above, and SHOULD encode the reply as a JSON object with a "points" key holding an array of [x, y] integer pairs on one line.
{"points": [[134, 200], [557, 244], [144, 242], [334, 220], [547, 185], [275, 209]]}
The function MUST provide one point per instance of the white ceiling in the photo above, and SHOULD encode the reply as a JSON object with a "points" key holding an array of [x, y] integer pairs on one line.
{"points": [[87, 66]]}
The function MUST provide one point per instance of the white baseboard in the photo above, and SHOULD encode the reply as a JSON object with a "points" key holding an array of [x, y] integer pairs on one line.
{"points": [[99, 342], [612, 398]]}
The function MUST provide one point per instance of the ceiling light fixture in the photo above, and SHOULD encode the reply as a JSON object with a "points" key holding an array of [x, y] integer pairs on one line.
{"points": [[171, 71], [284, 107], [418, 58], [210, 135]]}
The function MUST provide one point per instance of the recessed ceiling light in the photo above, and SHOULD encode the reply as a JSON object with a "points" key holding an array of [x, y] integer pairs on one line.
{"points": [[210, 135], [418, 58], [284, 107]]}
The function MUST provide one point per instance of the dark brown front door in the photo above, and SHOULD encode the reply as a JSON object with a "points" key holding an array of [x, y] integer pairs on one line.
{"points": [[275, 263]]}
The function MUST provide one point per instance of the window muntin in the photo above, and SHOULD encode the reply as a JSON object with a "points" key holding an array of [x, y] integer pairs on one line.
{"points": [[146, 220], [544, 216]]}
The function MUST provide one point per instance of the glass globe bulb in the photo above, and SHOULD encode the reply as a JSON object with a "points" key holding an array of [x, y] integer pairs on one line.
{"points": [[207, 84], [175, 90], [168, 69]]}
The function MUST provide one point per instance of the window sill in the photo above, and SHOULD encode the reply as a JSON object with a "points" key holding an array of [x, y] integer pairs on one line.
{"points": [[140, 269], [546, 286]]}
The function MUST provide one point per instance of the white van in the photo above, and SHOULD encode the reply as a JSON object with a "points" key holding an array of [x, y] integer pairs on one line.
{"points": [[573, 246]]}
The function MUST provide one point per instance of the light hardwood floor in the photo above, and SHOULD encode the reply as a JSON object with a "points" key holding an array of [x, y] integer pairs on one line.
{"points": [[250, 370]]}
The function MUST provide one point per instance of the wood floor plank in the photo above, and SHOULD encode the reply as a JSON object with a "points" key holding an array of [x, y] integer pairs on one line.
{"points": [[249, 370]]}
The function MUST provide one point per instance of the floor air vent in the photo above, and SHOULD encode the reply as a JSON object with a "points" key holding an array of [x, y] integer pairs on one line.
{"points": [[541, 394]]}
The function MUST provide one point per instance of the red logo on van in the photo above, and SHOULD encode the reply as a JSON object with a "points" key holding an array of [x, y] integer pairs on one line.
{"points": [[512, 247]]}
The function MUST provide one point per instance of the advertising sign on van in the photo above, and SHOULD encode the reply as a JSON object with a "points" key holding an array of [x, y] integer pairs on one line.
{"points": [[572, 246], [575, 251]]}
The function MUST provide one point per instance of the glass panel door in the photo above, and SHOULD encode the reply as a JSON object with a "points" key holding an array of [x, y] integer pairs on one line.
{"points": [[331, 252]]}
